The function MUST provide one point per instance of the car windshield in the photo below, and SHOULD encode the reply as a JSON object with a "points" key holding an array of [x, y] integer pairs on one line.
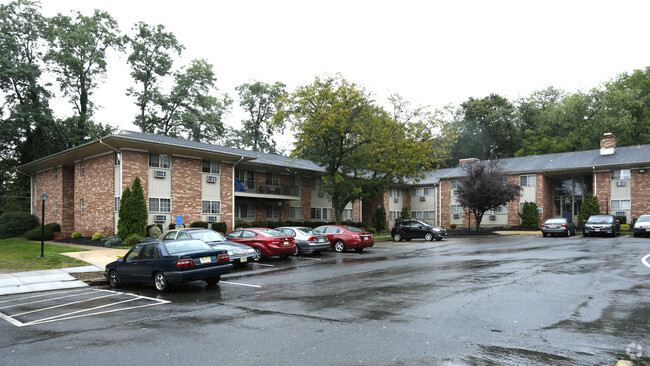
{"points": [[175, 247], [207, 236], [272, 233], [644, 218], [556, 221], [600, 219], [353, 229]]}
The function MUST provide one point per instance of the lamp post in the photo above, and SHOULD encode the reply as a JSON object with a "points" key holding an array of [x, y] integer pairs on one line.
{"points": [[43, 198]]}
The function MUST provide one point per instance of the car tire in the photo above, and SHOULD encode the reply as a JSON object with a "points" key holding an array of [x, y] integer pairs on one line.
{"points": [[114, 279], [258, 255], [636, 235], [428, 237], [160, 281], [397, 237], [297, 252], [213, 280], [544, 234], [339, 246], [585, 234], [568, 233], [359, 250]]}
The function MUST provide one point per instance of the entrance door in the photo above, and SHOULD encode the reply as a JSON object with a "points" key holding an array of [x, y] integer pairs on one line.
{"points": [[566, 211]]}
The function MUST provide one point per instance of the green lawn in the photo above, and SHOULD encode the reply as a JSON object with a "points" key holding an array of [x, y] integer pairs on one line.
{"points": [[22, 255]]}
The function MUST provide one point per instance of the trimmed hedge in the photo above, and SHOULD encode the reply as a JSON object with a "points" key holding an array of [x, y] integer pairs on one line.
{"points": [[201, 224], [35, 234], [622, 219], [54, 226], [221, 227], [16, 223]]}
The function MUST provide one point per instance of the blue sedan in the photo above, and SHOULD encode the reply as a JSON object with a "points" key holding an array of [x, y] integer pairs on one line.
{"points": [[165, 263]]}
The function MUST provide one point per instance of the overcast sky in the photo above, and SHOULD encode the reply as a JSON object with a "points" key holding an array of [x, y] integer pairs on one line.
{"points": [[431, 52]]}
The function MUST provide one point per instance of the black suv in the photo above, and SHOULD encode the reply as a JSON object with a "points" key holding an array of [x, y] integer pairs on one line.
{"points": [[411, 229]]}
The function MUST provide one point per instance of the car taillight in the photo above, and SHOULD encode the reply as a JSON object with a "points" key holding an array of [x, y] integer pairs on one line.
{"points": [[223, 258], [311, 239], [543, 225], [563, 225], [184, 263]]}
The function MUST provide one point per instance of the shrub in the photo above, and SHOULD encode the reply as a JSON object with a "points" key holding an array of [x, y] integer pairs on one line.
{"points": [[16, 223], [529, 216], [590, 206], [453, 226], [379, 218], [221, 227], [154, 232], [622, 219], [625, 227], [148, 227], [112, 241], [201, 224], [172, 226], [35, 234], [97, 236], [76, 235], [133, 239], [372, 230], [243, 224], [133, 213], [55, 227]]}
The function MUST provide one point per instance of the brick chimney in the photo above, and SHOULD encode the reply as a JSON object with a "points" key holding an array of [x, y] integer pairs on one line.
{"points": [[607, 144], [462, 162]]}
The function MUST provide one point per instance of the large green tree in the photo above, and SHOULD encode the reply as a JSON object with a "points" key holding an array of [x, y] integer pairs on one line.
{"points": [[260, 101], [360, 146], [151, 61]]}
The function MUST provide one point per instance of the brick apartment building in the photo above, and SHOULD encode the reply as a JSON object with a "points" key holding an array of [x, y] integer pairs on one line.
{"points": [[202, 182]]}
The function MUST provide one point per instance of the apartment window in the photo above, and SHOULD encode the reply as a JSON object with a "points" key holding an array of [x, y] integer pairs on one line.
{"points": [[116, 204], [244, 211], [621, 174], [621, 204], [499, 211], [456, 209], [273, 179], [117, 159], [393, 215], [83, 207], [429, 191], [160, 205], [429, 214], [273, 212], [317, 184], [347, 214], [321, 213], [211, 207], [453, 184], [527, 180], [213, 167], [245, 175], [162, 161], [396, 192], [295, 181], [416, 215], [295, 213], [417, 192]]}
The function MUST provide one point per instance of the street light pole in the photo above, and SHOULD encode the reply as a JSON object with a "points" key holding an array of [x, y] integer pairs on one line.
{"points": [[43, 198]]}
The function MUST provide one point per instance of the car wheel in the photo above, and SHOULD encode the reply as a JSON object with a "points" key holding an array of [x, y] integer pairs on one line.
{"points": [[160, 280], [585, 234], [568, 232], [428, 236], [113, 279], [339, 246], [359, 249], [636, 235], [297, 252], [258, 255], [544, 234], [213, 280], [397, 237]]}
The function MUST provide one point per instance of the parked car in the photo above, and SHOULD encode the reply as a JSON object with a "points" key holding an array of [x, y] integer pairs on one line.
{"points": [[238, 253], [266, 242], [165, 263], [641, 226], [601, 224], [558, 225], [307, 241], [346, 237], [412, 229]]}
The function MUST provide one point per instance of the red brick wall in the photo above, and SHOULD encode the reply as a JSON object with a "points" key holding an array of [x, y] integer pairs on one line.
{"points": [[603, 189], [513, 206], [45, 183], [135, 163], [640, 187], [305, 194], [356, 211], [445, 203], [66, 207], [96, 188], [227, 189], [544, 196], [186, 188]]}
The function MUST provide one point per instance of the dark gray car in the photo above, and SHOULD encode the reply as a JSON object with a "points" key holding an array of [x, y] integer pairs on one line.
{"points": [[601, 224], [307, 241], [558, 226], [239, 253]]}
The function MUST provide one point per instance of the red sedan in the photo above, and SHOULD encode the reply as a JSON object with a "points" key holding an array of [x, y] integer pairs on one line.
{"points": [[346, 237], [266, 242]]}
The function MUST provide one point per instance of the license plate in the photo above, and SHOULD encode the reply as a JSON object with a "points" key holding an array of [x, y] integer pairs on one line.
{"points": [[244, 259], [596, 229], [286, 243], [205, 259]]}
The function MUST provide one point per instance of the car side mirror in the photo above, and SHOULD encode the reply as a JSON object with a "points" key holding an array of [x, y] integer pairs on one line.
{"points": [[120, 259]]}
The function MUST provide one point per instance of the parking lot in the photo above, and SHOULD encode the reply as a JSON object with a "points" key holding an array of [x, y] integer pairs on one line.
{"points": [[462, 301]]}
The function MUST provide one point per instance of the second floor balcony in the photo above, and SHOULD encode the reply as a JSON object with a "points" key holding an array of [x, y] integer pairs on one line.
{"points": [[256, 189]]}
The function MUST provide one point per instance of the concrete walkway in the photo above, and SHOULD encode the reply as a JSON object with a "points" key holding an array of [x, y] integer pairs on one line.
{"points": [[56, 279]]}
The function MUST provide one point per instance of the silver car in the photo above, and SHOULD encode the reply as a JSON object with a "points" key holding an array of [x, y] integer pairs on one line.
{"points": [[307, 241], [559, 226], [641, 226], [238, 253]]}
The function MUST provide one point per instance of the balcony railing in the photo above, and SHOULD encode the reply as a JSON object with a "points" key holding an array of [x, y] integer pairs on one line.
{"points": [[263, 188]]}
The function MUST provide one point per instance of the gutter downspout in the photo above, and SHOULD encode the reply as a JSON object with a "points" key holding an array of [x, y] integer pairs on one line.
{"points": [[119, 183], [233, 192], [31, 189]]}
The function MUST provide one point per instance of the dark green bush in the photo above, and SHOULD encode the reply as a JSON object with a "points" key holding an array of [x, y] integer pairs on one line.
{"points": [[133, 239], [16, 223], [622, 219], [201, 224], [54, 226], [379, 218], [35, 234], [220, 227], [172, 226], [529, 216]]}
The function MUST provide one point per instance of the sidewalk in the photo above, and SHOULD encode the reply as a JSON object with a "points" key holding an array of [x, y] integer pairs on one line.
{"points": [[56, 279]]}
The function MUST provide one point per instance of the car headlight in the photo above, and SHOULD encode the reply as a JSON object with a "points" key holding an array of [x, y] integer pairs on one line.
{"points": [[230, 252]]}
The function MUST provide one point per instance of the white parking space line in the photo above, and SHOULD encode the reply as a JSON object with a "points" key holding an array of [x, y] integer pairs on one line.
{"points": [[240, 284], [265, 265], [44, 300], [645, 260], [313, 259], [380, 250], [39, 295]]}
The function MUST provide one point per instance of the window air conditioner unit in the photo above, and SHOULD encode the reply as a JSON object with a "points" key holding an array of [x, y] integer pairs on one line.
{"points": [[212, 179], [396, 200], [422, 199], [159, 218], [456, 216], [493, 217], [620, 184], [321, 194], [160, 174], [212, 219]]}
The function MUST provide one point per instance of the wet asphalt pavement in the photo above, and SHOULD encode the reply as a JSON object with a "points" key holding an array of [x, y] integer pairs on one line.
{"points": [[520, 300]]}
